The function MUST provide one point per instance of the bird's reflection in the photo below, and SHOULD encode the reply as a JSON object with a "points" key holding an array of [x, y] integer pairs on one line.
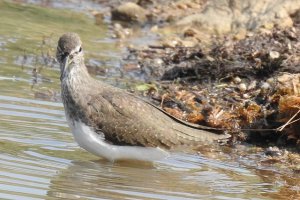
{"points": [[179, 177], [122, 180]]}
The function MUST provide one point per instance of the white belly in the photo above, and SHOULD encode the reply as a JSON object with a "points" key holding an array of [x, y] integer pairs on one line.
{"points": [[95, 144]]}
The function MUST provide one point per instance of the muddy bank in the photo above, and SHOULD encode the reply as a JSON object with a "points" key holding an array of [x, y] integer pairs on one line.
{"points": [[239, 74], [236, 81], [187, 22], [248, 84]]}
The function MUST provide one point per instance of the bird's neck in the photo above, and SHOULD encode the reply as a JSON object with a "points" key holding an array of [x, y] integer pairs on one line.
{"points": [[76, 75], [75, 87]]}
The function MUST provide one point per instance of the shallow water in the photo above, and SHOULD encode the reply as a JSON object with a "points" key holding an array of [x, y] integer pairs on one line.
{"points": [[39, 158]]}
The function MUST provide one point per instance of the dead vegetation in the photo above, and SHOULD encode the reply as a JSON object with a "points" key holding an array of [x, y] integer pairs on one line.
{"points": [[239, 86]]}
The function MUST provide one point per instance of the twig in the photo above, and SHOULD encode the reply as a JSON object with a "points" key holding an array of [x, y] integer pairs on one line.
{"points": [[289, 121]]}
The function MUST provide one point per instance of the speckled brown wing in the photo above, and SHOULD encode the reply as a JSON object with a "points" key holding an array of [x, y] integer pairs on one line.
{"points": [[127, 120]]}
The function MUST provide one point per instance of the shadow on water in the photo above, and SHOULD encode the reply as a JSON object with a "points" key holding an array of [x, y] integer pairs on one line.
{"points": [[39, 158]]}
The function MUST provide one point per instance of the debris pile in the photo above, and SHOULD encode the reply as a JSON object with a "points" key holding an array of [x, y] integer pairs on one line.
{"points": [[234, 85]]}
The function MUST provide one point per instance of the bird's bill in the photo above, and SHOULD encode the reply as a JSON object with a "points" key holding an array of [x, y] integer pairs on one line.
{"points": [[66, 63], [64, 67]]}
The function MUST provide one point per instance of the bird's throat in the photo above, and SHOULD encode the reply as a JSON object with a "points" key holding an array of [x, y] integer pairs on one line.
{"points": [[75, 84]]}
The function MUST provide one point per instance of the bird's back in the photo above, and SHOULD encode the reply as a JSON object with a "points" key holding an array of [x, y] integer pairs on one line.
{"points": [[125, 119]]}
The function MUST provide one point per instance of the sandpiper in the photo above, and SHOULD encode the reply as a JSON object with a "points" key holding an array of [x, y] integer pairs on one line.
{"points": [[112, 123]]}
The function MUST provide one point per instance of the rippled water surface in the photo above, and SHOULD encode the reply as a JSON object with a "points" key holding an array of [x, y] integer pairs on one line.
{"points": [[39, 158]]}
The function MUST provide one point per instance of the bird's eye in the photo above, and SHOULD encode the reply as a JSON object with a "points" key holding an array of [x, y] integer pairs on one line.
{"points": [[80, 49]]}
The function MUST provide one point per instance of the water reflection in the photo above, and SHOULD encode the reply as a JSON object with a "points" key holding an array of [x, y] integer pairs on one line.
{"points": [[180, 177]]}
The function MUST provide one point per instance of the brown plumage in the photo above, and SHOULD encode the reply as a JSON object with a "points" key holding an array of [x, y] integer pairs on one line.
{"points": [[121, 117]]}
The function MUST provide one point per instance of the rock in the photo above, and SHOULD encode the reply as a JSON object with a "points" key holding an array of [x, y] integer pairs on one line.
{"points": [[237, 80], [296, 17], [99, 17], [210, 20], [274, 54], [171, 18], [241, 34], [129, 12], [171, 42], [154, 28], [145, 3], [210, 59], [223, 16], [131, 67], [120, 32], [189, 42], [252, 85], [270, 80], [265, 85], [158, 61], [242, 87], [246, 96], [288, 84], [182, 6], [190, 32], [273, 151]]}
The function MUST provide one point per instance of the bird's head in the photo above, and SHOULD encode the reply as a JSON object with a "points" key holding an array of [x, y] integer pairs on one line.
{"points": [[69, 51]]}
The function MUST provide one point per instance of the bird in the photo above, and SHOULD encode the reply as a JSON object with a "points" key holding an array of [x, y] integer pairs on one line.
{"points": [[114, 124]]}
